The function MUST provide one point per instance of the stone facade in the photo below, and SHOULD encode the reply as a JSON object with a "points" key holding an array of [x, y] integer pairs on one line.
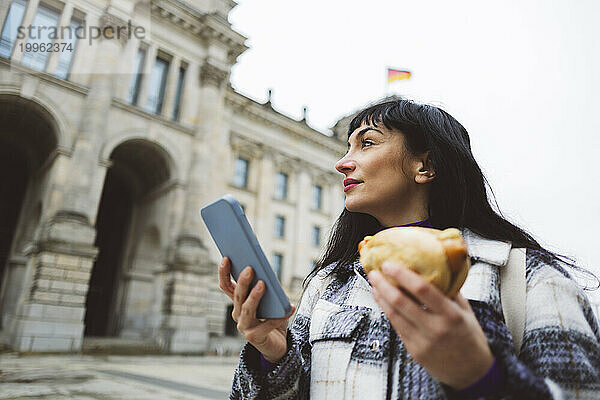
{"points": [[100, 232]]}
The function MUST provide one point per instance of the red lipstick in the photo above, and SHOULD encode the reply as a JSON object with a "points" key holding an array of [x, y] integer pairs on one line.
{"points": [[349, 183]]}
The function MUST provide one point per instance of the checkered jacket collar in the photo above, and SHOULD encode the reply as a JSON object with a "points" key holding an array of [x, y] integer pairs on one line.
{"points": [[494, 252]]}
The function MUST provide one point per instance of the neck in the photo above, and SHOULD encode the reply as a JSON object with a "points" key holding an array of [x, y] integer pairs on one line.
{"points": [[407, 215], [413, 208], [405, 221]]}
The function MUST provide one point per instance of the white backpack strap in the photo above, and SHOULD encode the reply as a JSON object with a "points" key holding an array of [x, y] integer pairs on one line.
{"points": [[512, 294]]}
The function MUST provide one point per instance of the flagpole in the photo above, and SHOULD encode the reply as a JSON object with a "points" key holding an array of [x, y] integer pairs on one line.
{"points": [[387, 84]]}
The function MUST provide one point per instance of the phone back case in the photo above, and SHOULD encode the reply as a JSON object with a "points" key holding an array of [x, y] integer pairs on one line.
{"points": [[235, 239]]}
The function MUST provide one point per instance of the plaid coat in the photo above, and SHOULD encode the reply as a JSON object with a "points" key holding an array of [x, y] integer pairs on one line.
{"points": [[342, 346]]}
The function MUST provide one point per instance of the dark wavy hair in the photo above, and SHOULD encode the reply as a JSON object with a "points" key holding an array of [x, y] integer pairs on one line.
{"points": [[457, 196]]}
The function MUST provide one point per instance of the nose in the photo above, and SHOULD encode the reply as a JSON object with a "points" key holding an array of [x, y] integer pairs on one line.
{"points": [[345, 165]]}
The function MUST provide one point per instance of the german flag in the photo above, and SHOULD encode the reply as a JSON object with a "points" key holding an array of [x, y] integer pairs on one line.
{"points": [[396, 75]]}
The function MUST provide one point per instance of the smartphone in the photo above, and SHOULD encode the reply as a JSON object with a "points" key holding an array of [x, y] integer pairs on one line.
{"points": [[235, 239]]}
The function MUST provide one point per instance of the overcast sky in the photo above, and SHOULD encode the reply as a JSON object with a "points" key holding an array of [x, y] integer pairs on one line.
{"points": [[522, 76]]}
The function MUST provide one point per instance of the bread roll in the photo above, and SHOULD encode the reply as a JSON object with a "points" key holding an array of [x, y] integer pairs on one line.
{"points": [[440, 257]]}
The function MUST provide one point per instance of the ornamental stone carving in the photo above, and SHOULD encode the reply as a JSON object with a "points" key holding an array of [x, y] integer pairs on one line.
{"points": [[213, 75], [282, 162], [113, 27], [246, 147]]}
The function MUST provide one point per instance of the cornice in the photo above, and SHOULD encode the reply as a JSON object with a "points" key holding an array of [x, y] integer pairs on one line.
{"points": [[340, 129], [44, 76], [111, 21], [267, 115], [244, 145], [286, 163], [119, 103], [211, 74], [207, 27], [327, 177]]}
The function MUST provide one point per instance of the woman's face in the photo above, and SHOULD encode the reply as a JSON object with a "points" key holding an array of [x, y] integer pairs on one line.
{"points": [[374, 181]]}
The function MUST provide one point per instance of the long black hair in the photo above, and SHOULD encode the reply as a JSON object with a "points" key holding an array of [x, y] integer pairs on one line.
{"points": [[457, 196]]}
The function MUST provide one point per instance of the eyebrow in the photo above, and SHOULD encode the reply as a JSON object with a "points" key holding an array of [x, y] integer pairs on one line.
{"points": [[365, 130]]}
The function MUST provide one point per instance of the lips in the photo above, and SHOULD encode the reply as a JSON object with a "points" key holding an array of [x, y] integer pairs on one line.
{"points": [[349, 183]]}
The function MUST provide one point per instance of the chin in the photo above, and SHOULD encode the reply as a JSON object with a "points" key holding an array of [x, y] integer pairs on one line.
{"points": [[352, 206]]}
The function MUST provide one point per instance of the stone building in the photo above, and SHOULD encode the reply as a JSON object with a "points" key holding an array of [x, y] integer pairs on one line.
{"points": [[109, 151]]}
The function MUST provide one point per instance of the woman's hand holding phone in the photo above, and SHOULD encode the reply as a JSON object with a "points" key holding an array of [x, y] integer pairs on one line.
{"points": [[268, 336]]}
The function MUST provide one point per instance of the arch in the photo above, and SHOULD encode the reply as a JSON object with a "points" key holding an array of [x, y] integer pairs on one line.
{"points": [[160, 141], [127, 238], [48, 110], [30, 132], [141, 163]]}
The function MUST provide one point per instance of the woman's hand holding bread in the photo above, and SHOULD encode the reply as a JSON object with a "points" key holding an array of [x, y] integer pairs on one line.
{"points": [[416, 274]]}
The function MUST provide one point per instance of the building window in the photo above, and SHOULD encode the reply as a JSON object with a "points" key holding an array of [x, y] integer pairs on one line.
{"points": [[66, 57], [279, 226], [156, 86], [317, 197], [277, 264], [316, 235], [11, 25], [136, 80], [281, 184], [240, 173], [45, 19], [178, 92]]}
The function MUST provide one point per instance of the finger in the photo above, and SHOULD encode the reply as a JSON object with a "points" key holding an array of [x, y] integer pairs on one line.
{"points": [[415, 285], [403, 326], [400, 301], [225, 282], [234, 314], [241, 290], [268, 325], [251, 304]]}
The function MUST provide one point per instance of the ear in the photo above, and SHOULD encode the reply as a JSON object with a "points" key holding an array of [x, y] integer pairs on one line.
{"points": [[424, 169]]}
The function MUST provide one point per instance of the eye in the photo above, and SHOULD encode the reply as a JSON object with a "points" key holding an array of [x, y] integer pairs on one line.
{"points": [[366, 142]]}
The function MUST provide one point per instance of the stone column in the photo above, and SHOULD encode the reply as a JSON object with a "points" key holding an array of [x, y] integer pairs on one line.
{"points": [[264, 194], [207, 151], [189, 99], [171, 87], [191, 274], [32, 6], [50, 317], [148, 65], [303, 229], [126, 70], [82, 65], [333, 197], [65, 20], [86, 179]]}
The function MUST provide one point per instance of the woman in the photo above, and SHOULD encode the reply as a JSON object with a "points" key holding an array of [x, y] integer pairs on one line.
{"points": [[360, 337]]}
